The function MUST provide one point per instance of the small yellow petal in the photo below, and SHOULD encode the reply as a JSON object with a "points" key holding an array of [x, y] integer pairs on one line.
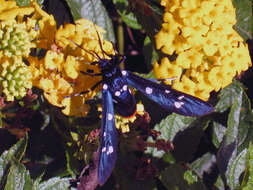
{"points": [[75, 106], [70, 66]]}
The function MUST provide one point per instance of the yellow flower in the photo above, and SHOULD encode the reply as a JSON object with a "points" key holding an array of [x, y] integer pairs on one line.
{"points": [[209, 52], [47, 27], [82, 34], [166, 68], [70, 67], [54, 61], [17, 30], [17, 37], [59, 74], [9, 10], [75, 106], [185, 85]]}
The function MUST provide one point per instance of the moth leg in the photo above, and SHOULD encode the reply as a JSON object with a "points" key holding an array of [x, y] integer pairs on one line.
{"points": [[163, 80], [91, 74], [122, 59], [86, 91]]}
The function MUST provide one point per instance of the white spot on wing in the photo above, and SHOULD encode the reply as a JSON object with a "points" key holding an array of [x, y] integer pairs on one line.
{"points": [[149, 90], [110, 150], [104, 134], [167, 91], [105, 86], [109, 116], [117, 93], [180, 97], [178, 104], [125, 88], [123, 72], [103, 149]]}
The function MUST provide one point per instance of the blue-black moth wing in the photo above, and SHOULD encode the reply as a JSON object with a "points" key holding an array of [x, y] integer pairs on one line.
{"points": [[108, 138], [169, 98]]}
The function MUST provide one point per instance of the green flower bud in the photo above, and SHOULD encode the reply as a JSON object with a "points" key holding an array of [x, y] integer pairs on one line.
{"points": [[15, 78], [16, 39]]}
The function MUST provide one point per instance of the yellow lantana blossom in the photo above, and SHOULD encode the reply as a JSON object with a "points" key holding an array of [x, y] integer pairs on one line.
{"points": [[59, 73], [17, 30], [9, 10], [17, 36], [47, 27], [209, 52]]}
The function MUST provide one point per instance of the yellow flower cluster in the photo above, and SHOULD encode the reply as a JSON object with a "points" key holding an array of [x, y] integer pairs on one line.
{"points": [[17, 32], [58, 73], [209, 52]]}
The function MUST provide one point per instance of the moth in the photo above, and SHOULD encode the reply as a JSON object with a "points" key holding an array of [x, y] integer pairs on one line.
{"points": [[117, 96]]}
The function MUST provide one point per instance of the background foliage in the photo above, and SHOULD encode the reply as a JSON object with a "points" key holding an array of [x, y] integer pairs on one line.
{"points": [[211, 152]]}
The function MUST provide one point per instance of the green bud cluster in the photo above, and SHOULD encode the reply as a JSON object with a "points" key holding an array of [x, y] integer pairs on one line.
{"points": [[15, 79], [15, 40]]}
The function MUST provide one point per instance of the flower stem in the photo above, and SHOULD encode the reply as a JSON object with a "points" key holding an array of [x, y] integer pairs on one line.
{"points": [[120, 38]]}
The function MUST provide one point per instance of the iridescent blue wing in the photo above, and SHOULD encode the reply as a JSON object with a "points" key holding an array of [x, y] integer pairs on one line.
{"points": [[169, 98], [108, 138]]}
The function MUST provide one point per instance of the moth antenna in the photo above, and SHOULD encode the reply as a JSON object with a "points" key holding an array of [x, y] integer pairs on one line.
{"points": [[93, 54], [168, 79], [100, 42]]}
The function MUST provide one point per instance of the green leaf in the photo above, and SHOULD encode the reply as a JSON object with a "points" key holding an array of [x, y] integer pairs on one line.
{"points": [[23, 2], [75, 8], [228, 149], [246, 121], [244, 25], [55, 183], [18, 178], [94, 11], [227, 96], [219, 184], [240, 120], [27, 2], [168, 128], [149, 15], [149, 75], [16, 152], [126, 14], [247, 183], [167, 157], [249, 137], [150, 52], [218, 133], [173, 178], [203, 164], [72, 164], [233, 120], [172, 124], [235, 169], [190, 177]]}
